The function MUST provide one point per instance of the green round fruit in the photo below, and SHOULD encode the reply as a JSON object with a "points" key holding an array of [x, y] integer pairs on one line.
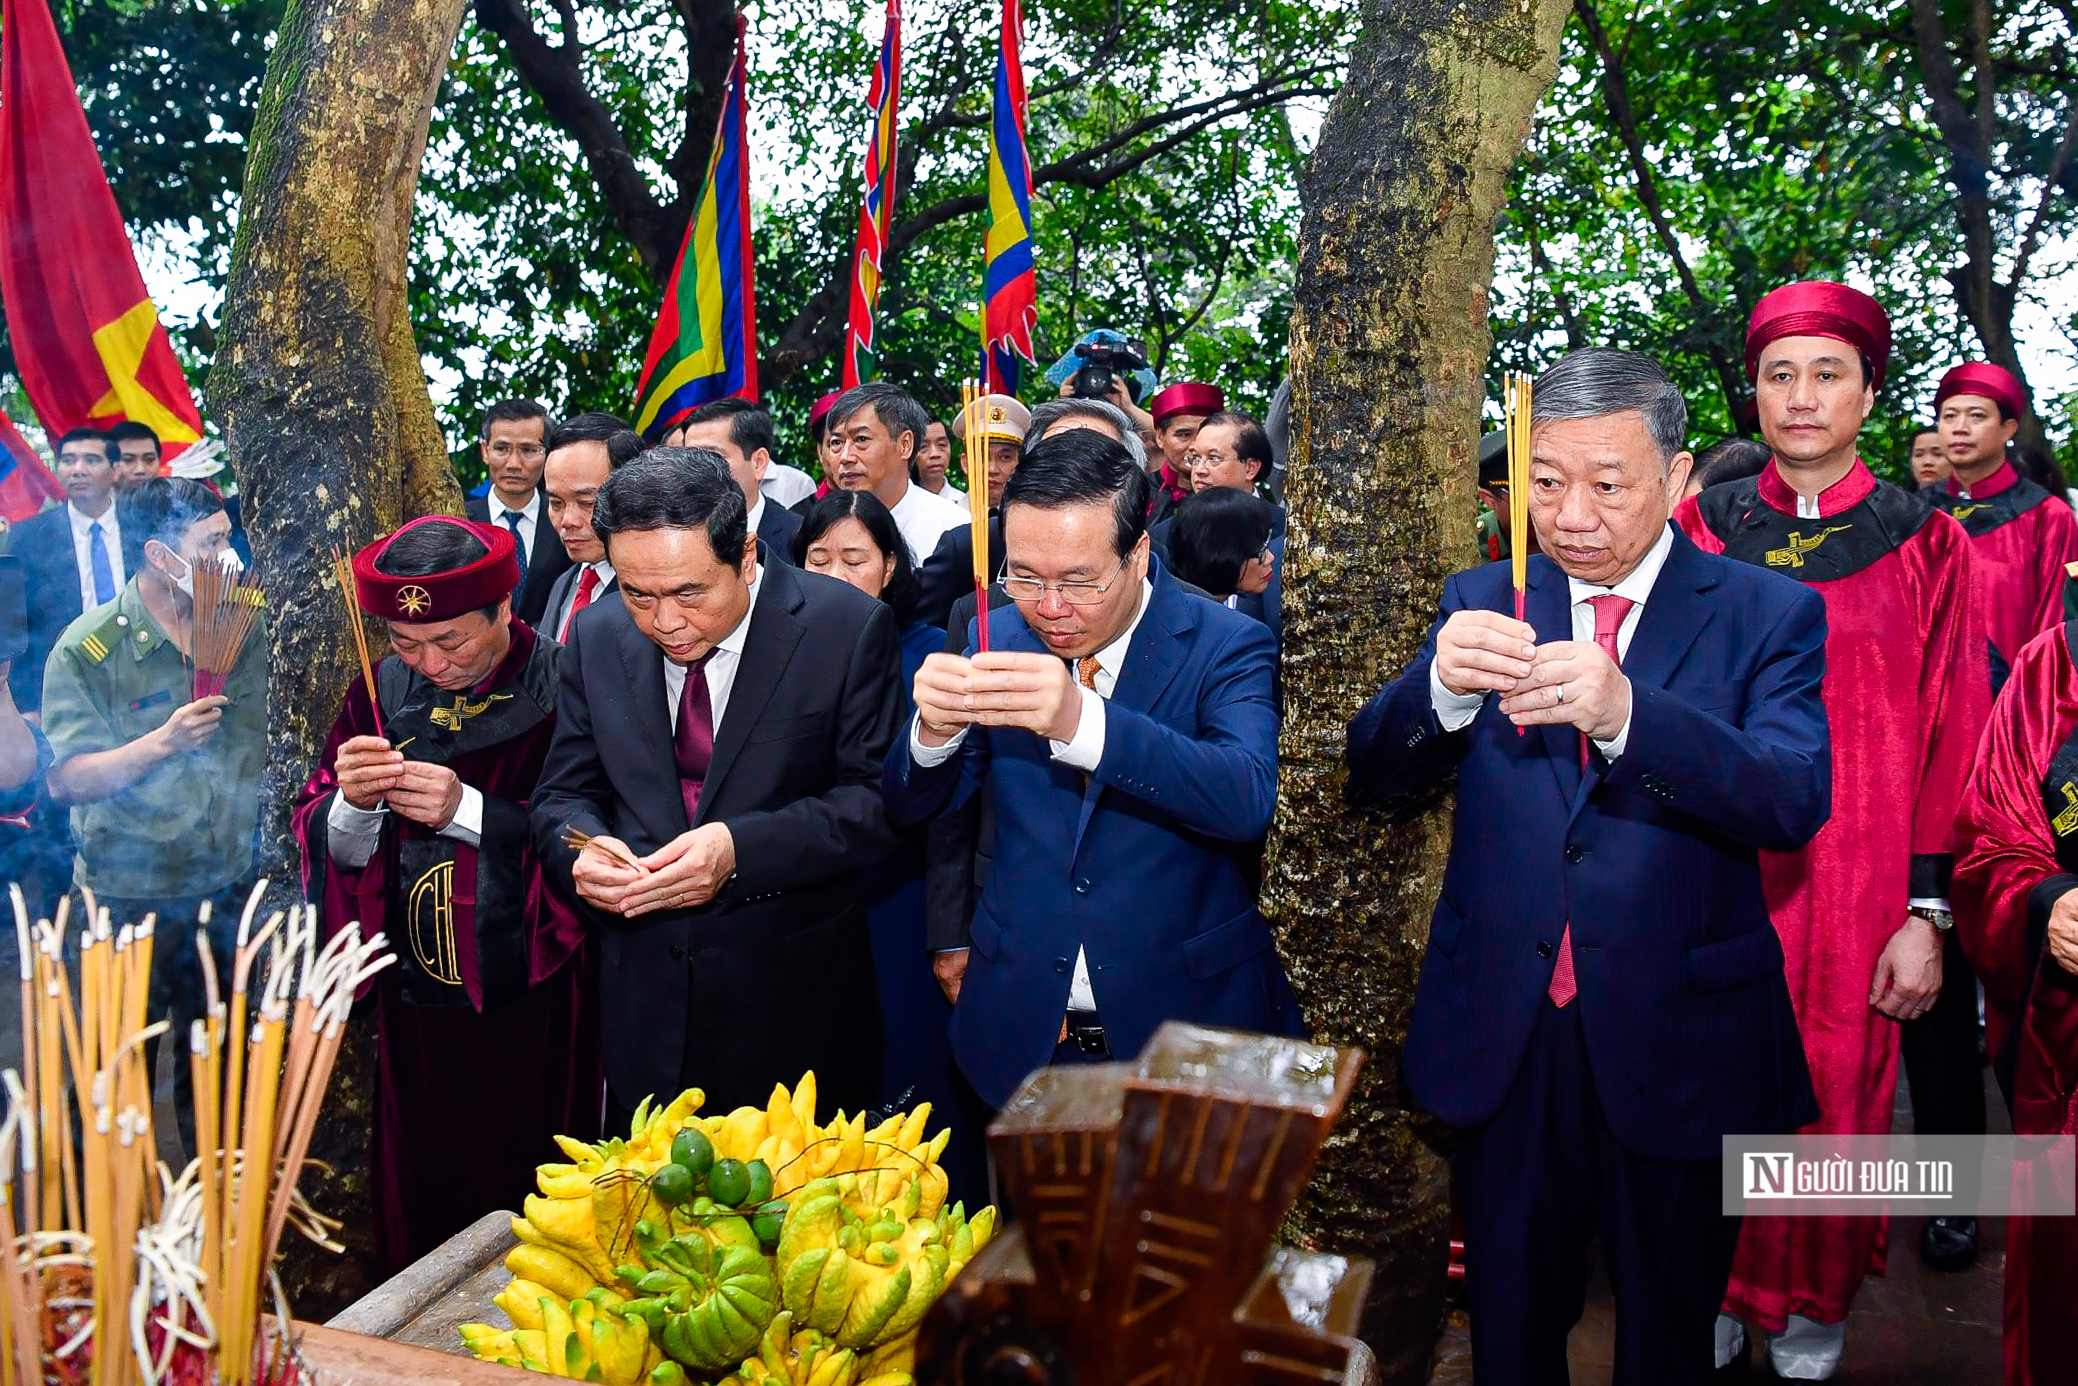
{"points": [[767, 1222], [760, 1182], [729, 1183], [671, 1185], [692, 1149]]}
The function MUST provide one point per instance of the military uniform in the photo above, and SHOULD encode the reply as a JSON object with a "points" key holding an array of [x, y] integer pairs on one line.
{"points": [[185, 832]]}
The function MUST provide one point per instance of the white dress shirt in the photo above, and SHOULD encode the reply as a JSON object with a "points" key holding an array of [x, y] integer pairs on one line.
{"points": [[720, 669], [83, 550], [1084, 751], [1456, 710], [353, 833], [530, 516], [786, 486], [755, 514], [924, 519], [561, 614]]}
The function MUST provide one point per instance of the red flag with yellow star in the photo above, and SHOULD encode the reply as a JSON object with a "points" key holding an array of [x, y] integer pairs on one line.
{"points": [[87, 341]]}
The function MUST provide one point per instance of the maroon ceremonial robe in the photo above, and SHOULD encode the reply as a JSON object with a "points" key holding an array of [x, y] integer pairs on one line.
{"points": [[488, 1020], [2017, 838], [2021, 536], [1905, 692]]}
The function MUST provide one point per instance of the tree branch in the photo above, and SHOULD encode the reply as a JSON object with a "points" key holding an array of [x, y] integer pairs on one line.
{"points": [[2059, 163], [1617, 96], [1969, 168]]}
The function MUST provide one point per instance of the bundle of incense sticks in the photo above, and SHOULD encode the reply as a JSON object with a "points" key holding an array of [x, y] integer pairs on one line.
{"points": [[1515, 400], [343, 573], [976, 462], [112, 1271], [226, 606]]}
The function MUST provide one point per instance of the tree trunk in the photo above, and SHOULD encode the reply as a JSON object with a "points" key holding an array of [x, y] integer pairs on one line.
{"points": [[331, 432], [1388, 365]]}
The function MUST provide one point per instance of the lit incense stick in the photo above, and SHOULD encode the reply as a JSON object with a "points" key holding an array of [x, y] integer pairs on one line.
{"points": [[971, 393]]}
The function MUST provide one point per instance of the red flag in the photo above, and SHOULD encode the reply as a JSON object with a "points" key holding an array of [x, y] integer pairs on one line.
{"points": [[87, 341], [25, 483]]}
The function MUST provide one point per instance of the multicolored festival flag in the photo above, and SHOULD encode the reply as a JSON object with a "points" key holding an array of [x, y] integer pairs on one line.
{"points": [[25, 483], [87, 342], [1010, 307], [705, 346], [878, 206]]}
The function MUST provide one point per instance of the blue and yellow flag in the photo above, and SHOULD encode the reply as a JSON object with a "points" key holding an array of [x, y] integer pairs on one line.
{"points": [[711, 351], [1010, 293]]}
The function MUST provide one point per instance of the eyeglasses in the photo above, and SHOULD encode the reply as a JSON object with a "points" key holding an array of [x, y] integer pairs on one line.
{"points": [[532, 452], [1024, 589], [1210, 459]]}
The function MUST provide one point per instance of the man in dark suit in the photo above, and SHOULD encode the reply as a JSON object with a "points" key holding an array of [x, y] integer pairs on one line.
{"points": [[1129, 741], [74, 556], [514, 447], [723, 723], [742, 433], [582, 453], [1599, 1014]]}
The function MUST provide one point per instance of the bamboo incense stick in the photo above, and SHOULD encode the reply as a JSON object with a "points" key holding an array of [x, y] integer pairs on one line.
{"points": [[343, 572], [976, 461], [1515, 390]]}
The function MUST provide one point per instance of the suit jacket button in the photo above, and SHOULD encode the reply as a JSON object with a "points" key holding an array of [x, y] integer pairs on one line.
{"points": [[677, 953], [1082, 885], [1060, 965], [1543, 949], [1576, 855]]}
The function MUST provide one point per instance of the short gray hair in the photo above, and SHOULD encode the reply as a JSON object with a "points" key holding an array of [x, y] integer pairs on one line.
{"points": [[1594, 382], [1047, 413]]}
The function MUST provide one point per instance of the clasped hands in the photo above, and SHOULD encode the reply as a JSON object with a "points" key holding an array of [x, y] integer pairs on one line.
{"points": [[998, 688], [1562, 682], [371, 772], [685, 872]]}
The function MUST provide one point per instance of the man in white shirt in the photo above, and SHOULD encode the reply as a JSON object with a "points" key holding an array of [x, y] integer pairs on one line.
{"points": [[874, 429], [1122, 714], [582, 453], [742, 433], [514, 446], [74, 557]]}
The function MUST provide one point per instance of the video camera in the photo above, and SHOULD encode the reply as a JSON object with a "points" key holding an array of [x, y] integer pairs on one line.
{"points": [[1103, 363]]}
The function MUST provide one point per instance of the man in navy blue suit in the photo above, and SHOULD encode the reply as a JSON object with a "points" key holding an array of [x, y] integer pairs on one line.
{"points": [[1126, 733], [1598, 1015]]}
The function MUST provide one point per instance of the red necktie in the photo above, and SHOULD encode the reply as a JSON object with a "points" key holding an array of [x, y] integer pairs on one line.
{"points": [[1610, 610], [587, 583], [692, 745]]}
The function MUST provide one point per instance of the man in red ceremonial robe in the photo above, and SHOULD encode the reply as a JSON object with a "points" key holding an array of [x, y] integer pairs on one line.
{"points": [[417, 825], [2016, 907], [1862, 909], [2021, 534]]}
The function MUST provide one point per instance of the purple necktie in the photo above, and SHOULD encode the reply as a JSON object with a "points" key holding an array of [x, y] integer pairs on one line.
{"points": [[692, 745]]}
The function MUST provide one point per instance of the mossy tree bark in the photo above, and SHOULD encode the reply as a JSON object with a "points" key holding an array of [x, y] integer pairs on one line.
{"points": [[323, 402], [1389, 346]]}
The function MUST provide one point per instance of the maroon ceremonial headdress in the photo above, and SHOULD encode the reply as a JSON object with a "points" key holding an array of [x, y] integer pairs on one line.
{"points": [[1995, 383], [1821, 308], [438, 596], [1186, 397]]}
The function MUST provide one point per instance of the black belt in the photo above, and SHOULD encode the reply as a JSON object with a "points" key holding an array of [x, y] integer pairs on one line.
{"points": [[1086, 1032]]}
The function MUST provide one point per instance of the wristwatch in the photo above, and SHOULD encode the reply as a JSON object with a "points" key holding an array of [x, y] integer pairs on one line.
{"points": [[1942, 920]]}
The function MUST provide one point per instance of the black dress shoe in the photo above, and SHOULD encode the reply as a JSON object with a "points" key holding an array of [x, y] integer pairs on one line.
{"points": [[1949, 1244]]}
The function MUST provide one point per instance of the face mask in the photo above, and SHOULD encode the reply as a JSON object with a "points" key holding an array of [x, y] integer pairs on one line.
{"points": [[233, 565]]}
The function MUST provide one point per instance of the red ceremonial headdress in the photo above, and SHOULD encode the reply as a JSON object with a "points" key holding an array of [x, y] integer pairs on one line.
{"points": [[819, 410], [438, 596], [1186, 397], [1820, 308], [1995, 383]]}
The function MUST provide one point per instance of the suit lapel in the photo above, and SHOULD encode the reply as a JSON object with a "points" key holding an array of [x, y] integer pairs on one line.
{"points": [[1550, 610], [1152, 659], [775, 632], [643, 663], [1674, 616]]}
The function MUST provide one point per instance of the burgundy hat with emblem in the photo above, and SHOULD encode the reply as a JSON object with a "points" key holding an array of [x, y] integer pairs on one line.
{"points": [[438, 596], [1995, 383], [1186, 397], [1820, 308]]}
